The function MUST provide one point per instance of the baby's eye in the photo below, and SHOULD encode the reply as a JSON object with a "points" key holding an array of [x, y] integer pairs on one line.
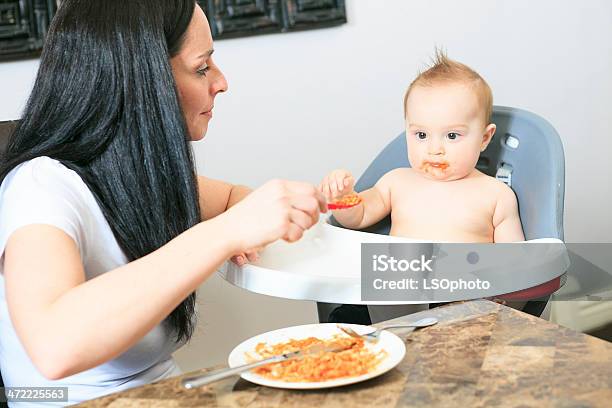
{"points": [[421, 135], [452, 136]]}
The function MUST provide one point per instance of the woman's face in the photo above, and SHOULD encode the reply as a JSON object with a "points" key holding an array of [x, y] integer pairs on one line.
{"points": [[197, 77]]}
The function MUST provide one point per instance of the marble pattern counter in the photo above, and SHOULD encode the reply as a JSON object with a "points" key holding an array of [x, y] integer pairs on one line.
{"points": [[479, 354]]}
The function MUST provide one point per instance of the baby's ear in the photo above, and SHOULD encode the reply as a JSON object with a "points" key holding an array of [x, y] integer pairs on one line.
{"points": [[488, 135]]}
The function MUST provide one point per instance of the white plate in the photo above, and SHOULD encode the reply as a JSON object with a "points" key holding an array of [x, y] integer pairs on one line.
{"points": [[393, 345]]}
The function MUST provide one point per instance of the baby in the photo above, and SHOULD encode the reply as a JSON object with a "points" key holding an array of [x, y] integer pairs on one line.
{"points": [[443, 197]]}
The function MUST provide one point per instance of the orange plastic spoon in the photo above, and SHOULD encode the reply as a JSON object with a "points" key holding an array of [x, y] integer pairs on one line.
{"points": [[345, 202]]}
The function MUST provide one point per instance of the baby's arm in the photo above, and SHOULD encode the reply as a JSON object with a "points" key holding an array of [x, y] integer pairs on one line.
{"points": [[506, 220], [375, 204], [507, 224]]}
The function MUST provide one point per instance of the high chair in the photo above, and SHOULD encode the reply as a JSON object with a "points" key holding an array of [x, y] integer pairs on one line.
{"points": [[526, 153]]}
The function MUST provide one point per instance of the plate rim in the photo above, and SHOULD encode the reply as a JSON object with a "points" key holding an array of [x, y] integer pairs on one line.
{"points": [[338, 382]]}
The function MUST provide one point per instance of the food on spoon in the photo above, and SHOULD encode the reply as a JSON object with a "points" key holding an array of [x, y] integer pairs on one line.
{"points": [[347, 201]]}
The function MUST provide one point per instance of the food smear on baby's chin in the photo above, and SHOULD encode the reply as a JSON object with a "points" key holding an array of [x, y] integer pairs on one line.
{"points": [[434, 168]]}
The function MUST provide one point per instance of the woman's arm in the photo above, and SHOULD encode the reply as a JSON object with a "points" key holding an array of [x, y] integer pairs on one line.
{"points": [[217, 196], [67, 324]]}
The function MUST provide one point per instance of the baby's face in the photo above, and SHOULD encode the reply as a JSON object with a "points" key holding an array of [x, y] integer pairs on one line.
{"points": [[445, 130]]}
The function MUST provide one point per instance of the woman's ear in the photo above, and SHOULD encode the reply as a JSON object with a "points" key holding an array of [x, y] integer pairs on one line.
{"points": [[488, 135]]}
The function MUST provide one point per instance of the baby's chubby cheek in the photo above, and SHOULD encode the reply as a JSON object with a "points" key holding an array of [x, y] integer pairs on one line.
{"points": [[464, 168]]}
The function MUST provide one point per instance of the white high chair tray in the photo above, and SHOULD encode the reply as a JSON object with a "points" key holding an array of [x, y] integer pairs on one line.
{"points": [[324, 266]]}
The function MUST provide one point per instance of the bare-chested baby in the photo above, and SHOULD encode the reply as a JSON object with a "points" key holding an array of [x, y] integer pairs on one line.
{"points": [[442, 197]]}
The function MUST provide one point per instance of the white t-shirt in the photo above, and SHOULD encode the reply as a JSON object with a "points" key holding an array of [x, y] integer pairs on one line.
{"points": [[43, 191]]}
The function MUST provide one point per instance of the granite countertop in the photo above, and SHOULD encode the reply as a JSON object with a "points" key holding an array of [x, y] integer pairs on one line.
{"points": [[479, 354]]}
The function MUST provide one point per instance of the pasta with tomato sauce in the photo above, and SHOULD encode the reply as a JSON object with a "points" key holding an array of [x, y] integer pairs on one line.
{"points": [[354, 360]]}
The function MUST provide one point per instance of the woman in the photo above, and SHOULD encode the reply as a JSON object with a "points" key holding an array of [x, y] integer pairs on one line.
{"points": [[105, 229]]}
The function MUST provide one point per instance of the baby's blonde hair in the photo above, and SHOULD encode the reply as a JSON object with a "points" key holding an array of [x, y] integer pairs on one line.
{"points": [[445, 70]]}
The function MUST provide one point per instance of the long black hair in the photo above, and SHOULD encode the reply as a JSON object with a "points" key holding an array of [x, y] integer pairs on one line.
{"points": [[105, 105]]}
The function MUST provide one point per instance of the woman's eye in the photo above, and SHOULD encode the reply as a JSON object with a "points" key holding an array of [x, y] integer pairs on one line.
{"points": [[421, 135], [203, 71], [452, 136]]}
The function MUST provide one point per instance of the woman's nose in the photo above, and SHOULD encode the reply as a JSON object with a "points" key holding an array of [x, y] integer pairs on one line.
{"points": [[219, 84]]}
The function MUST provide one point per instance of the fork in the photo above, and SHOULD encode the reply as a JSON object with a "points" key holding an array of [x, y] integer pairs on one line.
{"points": [[207, 378], [373, 337]]}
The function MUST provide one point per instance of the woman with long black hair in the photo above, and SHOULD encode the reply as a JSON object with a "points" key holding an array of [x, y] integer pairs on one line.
{"points": [[106, 231]]}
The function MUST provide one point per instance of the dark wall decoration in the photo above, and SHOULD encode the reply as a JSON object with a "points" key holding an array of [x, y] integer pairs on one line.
{"points": [[239, 18], [23, 23]]}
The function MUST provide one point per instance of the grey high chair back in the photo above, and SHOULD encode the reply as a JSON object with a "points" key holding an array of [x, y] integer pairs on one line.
{"points": [[526, 153]]}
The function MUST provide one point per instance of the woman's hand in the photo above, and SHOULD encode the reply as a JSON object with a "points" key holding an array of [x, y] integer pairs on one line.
{"points": [[279, 209], [246, 257]]}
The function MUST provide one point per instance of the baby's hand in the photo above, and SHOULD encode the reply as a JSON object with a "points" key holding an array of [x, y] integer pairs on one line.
{"points": [[337, 184]]}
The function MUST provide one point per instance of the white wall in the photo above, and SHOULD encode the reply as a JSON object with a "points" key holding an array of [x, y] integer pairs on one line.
{"points": [[302, 104]]}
